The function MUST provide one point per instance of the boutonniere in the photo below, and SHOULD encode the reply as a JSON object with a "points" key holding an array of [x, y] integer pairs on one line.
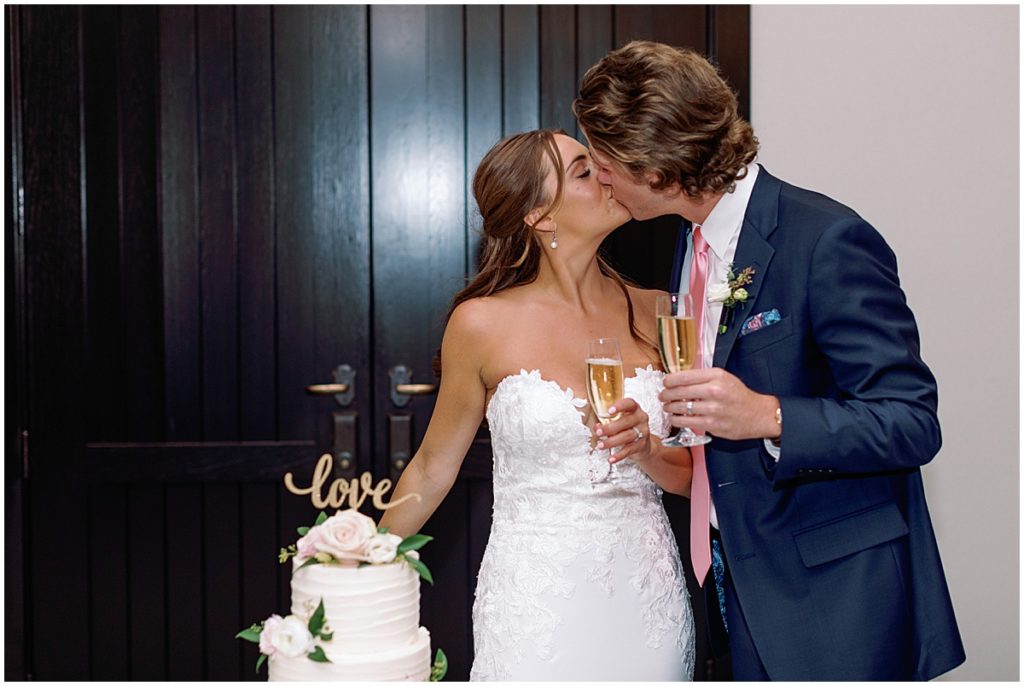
{"points": [[731, 293]]}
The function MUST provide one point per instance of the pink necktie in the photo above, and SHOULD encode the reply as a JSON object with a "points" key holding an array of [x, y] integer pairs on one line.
{"points": [[700, 494]]}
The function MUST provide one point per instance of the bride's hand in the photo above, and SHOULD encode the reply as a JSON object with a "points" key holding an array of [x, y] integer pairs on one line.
{"points": [[628, 433]]}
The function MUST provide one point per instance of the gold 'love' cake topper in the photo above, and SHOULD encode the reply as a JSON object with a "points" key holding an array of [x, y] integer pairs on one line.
{"points": [[353, 490]]}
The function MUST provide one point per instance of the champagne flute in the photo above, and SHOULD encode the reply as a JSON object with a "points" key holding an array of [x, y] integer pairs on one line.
{"points": [[678, 342], [605, 389]]}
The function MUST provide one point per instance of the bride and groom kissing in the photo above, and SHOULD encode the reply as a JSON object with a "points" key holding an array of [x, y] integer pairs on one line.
{"points": [[810, 534]]}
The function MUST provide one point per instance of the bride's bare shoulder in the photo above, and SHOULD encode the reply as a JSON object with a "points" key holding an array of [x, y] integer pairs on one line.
{"points": [[478, 319]]}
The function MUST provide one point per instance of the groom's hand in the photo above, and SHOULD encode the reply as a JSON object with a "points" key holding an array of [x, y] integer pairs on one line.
{"points": [[722, 405]]}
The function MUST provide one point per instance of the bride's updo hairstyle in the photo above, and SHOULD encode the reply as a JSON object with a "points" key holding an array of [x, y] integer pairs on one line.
{"points": [[507, 186]]}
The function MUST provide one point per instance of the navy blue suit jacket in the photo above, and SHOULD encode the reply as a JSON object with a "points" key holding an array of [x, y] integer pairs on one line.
{"points": [[831, 550]]}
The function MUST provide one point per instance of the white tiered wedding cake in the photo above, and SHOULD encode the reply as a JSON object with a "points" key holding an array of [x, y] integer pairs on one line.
{"points": [[355, 610]]}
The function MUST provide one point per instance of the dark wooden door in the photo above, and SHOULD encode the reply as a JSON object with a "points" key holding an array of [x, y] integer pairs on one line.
{"points": [[209, 210]]}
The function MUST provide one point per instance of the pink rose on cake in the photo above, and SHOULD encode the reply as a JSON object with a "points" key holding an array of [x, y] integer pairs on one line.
{"points": [[307, 544], [270, 627], [345, 536]]}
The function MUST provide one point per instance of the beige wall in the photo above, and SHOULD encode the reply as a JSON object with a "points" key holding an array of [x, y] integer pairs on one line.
{"points": [[910, 115]]}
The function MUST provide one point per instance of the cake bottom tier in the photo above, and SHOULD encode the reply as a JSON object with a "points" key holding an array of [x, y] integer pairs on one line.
{"points": [[410, 662]]}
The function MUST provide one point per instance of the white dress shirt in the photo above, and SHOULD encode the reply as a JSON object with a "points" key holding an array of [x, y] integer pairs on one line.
{"points": [[721, 230]]}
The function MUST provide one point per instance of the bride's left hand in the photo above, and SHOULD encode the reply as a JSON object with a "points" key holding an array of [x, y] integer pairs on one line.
{"points": [[629, 433]]}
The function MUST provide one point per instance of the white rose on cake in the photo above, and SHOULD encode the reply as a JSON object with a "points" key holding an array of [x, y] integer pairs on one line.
{"points": [[346, 535], [382, 549], [291, 637]]}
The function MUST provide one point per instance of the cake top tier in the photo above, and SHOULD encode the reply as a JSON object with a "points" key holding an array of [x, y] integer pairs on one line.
{"points": [[351, 539]]}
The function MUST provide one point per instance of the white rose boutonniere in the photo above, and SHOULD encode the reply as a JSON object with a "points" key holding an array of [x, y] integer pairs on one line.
{"points": [[718, 292], [732, 293]]}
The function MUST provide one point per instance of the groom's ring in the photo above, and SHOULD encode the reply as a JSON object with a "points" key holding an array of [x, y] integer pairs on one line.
{"points": [[639, 434], [689, 408]]}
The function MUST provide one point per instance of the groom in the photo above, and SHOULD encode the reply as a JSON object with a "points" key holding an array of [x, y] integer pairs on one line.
{"points": [[809, 527]]}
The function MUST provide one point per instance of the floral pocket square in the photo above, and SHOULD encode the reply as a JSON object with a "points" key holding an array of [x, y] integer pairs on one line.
{"points": [[760, 321]]}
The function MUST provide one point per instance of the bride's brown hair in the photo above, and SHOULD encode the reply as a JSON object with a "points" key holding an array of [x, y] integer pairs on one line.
{"points": [[507, 186]]}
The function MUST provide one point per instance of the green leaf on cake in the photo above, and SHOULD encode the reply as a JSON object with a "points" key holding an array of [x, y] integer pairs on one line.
{"points": [[303, 530], [326, 637], [259, 662], [316, 622], [318, 655], [414, 542], [382, 529], [421, 569], [440, 667], [321, 518], [310, 561], [252, 634]]}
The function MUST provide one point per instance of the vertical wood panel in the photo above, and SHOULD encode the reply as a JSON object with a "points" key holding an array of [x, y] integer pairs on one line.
{"points": [[146, 569], [108, 567], [219, 289], [521, 77], [16, 359], [257, 300], [341, 211], [259, 565], [105, 344], [418, 167], [140, 238], [298, 414], [557, 67], [682, 25], [179, 222], [221, 582], [218, 240], [186, 636], [255, 202], [293, 217], [54, 215], [483, 108], [594, 39], [731, 38]]}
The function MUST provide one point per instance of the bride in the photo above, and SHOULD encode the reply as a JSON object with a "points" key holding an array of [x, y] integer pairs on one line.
{"points": [[580, 580]]}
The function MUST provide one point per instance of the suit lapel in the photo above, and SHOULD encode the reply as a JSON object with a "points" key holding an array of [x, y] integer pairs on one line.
{"points": [[753, 250], [680, 256]]}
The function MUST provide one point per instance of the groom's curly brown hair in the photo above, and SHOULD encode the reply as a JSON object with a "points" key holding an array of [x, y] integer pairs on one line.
{"points": [[652, 107]]}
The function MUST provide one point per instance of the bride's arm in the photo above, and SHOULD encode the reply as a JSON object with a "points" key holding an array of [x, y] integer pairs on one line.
{"points": [[453, 425], [669, 467]]}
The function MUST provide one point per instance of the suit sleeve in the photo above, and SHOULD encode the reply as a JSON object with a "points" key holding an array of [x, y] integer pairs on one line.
{"points": [[883, 415]]}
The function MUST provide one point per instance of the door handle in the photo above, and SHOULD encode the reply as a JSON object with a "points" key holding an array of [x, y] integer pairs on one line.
{"points": [[399, 443], [345, 444], [402, 386], [343, 389]]}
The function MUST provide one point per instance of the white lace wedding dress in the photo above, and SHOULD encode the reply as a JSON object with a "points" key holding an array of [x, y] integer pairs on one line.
{"points": [[579, 581]]}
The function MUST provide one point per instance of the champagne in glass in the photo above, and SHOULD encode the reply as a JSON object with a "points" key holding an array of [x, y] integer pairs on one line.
{"points": [[678, 345], [605, 387]]}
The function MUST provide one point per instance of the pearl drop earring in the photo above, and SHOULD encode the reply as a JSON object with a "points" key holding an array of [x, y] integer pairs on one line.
{"points": [[554, 239]]}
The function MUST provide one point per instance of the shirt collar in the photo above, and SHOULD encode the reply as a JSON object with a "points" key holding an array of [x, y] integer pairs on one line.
{"points": [[724, 222]]}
